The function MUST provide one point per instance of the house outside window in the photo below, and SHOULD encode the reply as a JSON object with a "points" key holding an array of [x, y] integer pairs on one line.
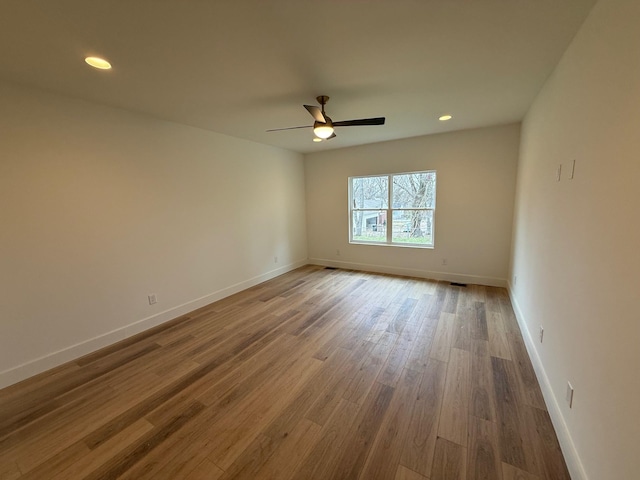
{"points": [[393, 209]]}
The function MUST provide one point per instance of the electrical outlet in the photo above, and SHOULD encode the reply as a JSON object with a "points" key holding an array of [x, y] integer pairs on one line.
{"points": [[559, 173], [541, 333], [275, 259], [153, 298], [338, 252], [569, 395], [444, 261]]}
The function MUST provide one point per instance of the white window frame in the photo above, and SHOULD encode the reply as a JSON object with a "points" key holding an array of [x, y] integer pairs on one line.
{"points": [[389, 213]]}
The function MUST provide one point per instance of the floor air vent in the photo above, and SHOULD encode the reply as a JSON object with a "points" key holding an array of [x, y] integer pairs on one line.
{"points": [[454, 284]]}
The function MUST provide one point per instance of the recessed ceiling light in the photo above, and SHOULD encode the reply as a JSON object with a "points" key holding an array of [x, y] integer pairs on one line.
{"points": [[444, 118], [317, 139], [98, 62]]}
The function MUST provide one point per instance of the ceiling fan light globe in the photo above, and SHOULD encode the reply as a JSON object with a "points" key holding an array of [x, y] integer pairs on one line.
{"points": [[323, 130]]}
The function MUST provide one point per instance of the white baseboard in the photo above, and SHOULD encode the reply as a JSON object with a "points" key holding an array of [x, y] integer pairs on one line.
{"points": [[413, 272], [574, 464], [54, 359]]}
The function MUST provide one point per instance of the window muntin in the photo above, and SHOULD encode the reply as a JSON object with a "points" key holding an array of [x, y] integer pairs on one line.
{"points": [[394, 209]]}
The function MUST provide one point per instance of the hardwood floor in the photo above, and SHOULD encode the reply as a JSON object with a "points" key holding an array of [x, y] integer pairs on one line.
{"points": [[317, 374]]}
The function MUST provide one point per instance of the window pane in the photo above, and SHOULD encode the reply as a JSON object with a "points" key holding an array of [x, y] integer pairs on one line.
{"points": [[370, 192], [414, 190], [369, 226], [413, 227]]}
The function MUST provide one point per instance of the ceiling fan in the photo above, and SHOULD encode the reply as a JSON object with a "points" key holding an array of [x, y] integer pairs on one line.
{"points": [[323, 126]]}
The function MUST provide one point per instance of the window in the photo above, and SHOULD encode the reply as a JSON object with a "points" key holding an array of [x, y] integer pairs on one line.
{"points": [[396, 209]]}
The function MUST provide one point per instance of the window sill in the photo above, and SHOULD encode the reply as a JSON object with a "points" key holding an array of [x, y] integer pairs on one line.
{"points": [[399, 245]]}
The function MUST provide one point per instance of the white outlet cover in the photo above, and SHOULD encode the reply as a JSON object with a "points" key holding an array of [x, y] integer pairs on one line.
{"points": [[569, 395], [541, 334]]}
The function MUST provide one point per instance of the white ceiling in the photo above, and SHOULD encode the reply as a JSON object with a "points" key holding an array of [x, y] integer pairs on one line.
{"points": [[240, 67]]}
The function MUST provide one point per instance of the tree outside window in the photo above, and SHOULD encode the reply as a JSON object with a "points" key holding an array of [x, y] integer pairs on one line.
{"points": [[394, 209]]}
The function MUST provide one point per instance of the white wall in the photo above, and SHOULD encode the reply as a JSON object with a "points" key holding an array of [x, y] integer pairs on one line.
{"points": [[576, 249], [100, 207], [476, 171]]}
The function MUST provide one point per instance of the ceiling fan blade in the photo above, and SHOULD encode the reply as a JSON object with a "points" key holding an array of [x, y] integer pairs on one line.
{"points": [[316, 113], [288, 128], [360, 122]]}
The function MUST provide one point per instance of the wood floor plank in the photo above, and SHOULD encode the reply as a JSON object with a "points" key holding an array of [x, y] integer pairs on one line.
{"points": [[357, 330], [483, 399], [382, 325], [479, 329], [451, 300], [34, 445], [25, 392], [364, 378], [135, 453], [252, 459], [461, 336], [439, 297], [291, 451], [233, 420], [316, 374], [386, 451], [348, 325], [478, 293], [342, 377], [356, 445], [16, 414], [527, 376], [493, 297], [454, 414], [441, 346], [275, 457], [403, 473], [206, 470], [235, 435], [56, 463], [320, 462], [94, 458], [180, 452], [392, 369], [403, 315], [9, 470], [74, 407], [310, 394], [450, 461], [509, 472], [421, 310], [466, 299], [509, 413], [553, 463], [421, 335], [420, 442], [498, 342], [247, 375], [483, 450]]}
